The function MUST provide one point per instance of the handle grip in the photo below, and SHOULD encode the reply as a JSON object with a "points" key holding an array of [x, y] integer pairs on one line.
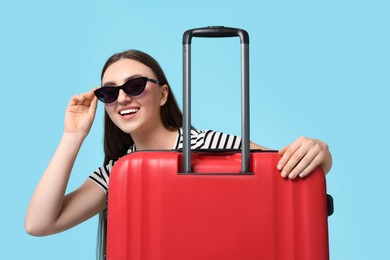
{"points": [[216, 32]]}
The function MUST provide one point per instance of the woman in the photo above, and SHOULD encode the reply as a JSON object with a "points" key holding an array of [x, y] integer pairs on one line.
{"points": [[141, 113]]}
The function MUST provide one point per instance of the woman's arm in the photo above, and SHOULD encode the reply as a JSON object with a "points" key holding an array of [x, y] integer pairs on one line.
{"points": [[50, 211]]}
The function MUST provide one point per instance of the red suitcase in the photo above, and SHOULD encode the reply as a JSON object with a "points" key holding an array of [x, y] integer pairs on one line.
{"points": [[214, 205]]}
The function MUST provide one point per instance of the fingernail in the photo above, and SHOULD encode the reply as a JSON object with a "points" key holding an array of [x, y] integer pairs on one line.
{"points": [[279, 166], [284, 174]]}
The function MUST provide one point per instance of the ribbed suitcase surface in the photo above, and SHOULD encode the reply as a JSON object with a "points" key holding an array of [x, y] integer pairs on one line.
{"points": [[156, 213]]}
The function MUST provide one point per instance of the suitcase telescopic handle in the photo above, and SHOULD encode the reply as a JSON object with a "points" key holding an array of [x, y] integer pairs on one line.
{"points": [[216, 32]]}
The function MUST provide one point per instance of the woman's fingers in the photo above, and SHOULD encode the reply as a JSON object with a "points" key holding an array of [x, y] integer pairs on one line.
{"points": [[81, 112], [301, 157]]}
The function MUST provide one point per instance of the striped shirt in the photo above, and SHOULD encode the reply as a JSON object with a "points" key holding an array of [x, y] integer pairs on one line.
{"points": [[207, 139]]}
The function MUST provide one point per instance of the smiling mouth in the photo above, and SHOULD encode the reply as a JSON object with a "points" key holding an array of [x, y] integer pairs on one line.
{"points": [[130, 111]]}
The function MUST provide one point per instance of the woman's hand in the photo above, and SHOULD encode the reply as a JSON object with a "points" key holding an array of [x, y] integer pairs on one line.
{"points": [[80, 113], [303, 156]]}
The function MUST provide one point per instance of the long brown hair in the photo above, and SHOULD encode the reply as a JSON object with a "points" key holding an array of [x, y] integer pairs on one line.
{"points": [[117, 142]]}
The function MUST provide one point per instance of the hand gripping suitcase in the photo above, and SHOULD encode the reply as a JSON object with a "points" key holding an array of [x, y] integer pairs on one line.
{"points": [[194, 205]]}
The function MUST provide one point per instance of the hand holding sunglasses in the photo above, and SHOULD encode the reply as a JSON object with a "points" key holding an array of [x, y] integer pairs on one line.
{"points": [[133, 87]]}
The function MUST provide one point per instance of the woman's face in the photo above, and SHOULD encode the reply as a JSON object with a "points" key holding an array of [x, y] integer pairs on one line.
{"points": [[140, 114]]}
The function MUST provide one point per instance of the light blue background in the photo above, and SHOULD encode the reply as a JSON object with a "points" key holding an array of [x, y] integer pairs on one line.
{"points": [[318, 68]]}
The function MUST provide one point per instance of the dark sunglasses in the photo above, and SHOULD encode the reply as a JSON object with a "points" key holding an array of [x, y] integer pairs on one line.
{"points": [[132, 88]]}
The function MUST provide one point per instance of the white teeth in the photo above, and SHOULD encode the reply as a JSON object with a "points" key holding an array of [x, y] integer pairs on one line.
{"points": [[128, 111]]}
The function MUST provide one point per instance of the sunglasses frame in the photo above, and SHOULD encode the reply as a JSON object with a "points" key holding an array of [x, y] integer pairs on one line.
{"points": [[99, 93]]}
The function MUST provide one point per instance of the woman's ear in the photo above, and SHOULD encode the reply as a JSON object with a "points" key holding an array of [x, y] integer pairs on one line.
{"points": [[164, 94]]}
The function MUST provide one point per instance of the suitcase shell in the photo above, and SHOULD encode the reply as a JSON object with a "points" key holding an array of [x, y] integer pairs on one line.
{"points": [[156, 213]]}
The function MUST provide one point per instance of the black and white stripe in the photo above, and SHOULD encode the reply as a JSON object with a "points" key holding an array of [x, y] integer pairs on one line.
{"points": [[102, 175], [210, 139]]}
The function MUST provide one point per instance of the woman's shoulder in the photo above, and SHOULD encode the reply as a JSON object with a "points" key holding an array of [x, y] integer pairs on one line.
{"points": [[101, 176]]}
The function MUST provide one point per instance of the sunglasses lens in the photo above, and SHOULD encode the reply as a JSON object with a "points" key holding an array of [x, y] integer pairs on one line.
{"points": [[107, 94], [135, 86]]}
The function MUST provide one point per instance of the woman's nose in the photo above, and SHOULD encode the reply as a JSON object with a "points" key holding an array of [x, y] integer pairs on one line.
{"points": [[123, 97]]}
